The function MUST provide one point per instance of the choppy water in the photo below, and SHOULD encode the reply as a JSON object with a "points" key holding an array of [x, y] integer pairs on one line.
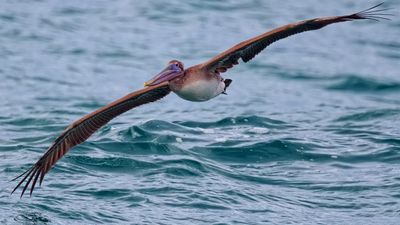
{"points": [[309, 133]]}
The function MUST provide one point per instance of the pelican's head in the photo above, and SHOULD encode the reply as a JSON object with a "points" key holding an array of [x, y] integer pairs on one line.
{"points": [[174, 69]]}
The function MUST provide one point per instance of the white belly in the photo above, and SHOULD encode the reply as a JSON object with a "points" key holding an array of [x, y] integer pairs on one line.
{"points": [[201, 90]]}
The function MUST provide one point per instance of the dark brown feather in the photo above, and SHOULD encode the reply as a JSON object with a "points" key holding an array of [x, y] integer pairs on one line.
{"points": [[248, 49], [83, 128]]}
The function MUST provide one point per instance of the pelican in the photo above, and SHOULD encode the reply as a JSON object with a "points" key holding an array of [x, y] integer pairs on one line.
{"points": [[198, 83]]}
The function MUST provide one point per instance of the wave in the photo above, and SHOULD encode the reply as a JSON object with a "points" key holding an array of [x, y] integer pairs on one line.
{"points": [[369, 115], [361, 84], [240, 120]]}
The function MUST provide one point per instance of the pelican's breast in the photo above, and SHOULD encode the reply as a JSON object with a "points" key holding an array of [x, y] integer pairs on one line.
{"points": [[198, 90]]}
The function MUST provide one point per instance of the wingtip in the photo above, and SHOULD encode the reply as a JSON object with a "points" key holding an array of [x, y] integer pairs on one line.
{"points": [[26, 173], [373, 13], [12, 192], [31, 173]]}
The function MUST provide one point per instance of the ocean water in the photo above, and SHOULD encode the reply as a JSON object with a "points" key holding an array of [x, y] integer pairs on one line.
{"points": [[309, 132]]}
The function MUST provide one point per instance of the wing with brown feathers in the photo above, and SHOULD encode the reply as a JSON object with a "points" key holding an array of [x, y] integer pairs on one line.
{"points": [[83, 128], [247, 50]]}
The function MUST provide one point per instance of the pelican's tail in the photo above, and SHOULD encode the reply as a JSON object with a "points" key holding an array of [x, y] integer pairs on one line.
{"points": [[227, 83]]}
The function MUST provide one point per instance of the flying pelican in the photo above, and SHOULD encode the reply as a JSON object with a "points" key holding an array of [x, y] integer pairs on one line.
{"points": [[198, 83]]}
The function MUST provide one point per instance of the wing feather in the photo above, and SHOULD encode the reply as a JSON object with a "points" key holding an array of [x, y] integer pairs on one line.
{"points": [[248, 49], [83, 128]]}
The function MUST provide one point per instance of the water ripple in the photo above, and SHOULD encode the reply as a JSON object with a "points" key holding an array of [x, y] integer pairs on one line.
{"points": [[360, 84]]}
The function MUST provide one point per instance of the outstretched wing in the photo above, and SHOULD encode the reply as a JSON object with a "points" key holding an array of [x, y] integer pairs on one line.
{"points": [[83, 128], [248, 49]]}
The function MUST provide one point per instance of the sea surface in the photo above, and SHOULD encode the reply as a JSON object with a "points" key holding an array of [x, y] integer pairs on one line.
{"points": [[309, 132]]}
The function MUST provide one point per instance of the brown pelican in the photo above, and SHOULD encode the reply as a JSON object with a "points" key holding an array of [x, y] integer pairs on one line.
{"points": [[201, 82]]}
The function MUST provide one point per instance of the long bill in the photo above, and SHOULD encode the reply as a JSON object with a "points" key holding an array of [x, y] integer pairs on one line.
{"points": [[167, 74]]}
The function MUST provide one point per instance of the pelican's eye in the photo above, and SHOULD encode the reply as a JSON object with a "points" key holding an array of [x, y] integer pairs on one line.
{"points": [[176, 65]]}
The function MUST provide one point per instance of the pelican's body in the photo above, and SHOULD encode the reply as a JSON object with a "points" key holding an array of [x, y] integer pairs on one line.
{"points": [[197, 83]]}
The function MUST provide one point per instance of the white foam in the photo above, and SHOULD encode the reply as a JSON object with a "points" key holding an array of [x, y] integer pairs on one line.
{"points": [[221, 139], [208, 131], [259, 130]]}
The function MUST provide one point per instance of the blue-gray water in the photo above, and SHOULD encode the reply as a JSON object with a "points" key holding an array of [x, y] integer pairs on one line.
{"points": [[308, 133]]}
